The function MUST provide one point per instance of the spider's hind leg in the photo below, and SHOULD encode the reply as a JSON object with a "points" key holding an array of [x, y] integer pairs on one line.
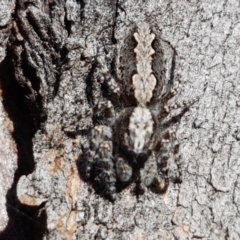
{"points": [[168, 160], [174, 169]]}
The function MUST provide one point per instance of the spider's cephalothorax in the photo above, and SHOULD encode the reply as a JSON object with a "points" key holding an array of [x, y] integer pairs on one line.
{"points": [[132, 139]]}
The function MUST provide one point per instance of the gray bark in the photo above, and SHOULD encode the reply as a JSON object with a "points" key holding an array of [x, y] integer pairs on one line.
{"points": [[47, 52]]}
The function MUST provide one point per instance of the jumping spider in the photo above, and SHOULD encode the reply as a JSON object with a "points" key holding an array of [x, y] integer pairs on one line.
{"points": [[132, 139]]}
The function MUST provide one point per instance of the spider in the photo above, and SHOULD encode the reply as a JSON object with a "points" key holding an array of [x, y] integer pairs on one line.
{"points": [[132, 139]]}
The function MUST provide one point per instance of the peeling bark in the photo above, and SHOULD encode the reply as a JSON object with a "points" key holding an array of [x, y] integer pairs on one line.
{"points": [[48, 55]]}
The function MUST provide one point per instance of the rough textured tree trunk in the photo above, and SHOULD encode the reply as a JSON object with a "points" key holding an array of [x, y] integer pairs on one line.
{"points": [[48, 53]]}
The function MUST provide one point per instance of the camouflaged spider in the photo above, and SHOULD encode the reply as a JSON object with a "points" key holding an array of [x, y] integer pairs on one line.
{"points": [[132, 139]]}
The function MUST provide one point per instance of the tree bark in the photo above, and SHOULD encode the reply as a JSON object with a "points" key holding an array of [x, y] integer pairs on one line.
{"points": [[48, 53]]}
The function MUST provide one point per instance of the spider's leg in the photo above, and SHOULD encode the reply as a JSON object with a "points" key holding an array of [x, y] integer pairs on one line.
{"points": [[168, 159], [123, 169], [99, 160], [163, 156], [107, 78], [100, 164], [184, 106], [164, 111], [98, 134], [104, 113], [162, 102], [149, 171], [174, 163], [172, 86], [103, 170], [171, 89]]}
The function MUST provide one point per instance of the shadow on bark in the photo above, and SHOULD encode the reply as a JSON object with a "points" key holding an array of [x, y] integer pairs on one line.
{"points": [[25, 222]]}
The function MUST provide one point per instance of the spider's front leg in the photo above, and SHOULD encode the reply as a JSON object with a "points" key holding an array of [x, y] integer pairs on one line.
{"points": [[107, 78], [103, 168], [100, 166], [99, 160], [103, 115]]}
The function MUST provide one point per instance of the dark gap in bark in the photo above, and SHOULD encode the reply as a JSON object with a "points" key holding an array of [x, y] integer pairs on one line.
{"points": [[89, 87], [119, 6], [35, 105], [24, 222], [68, 24], [28, 4], [36, 25], [82, 6], [60, 68], [4, 28], [114, 40], [64, 55], [82, 166]]}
